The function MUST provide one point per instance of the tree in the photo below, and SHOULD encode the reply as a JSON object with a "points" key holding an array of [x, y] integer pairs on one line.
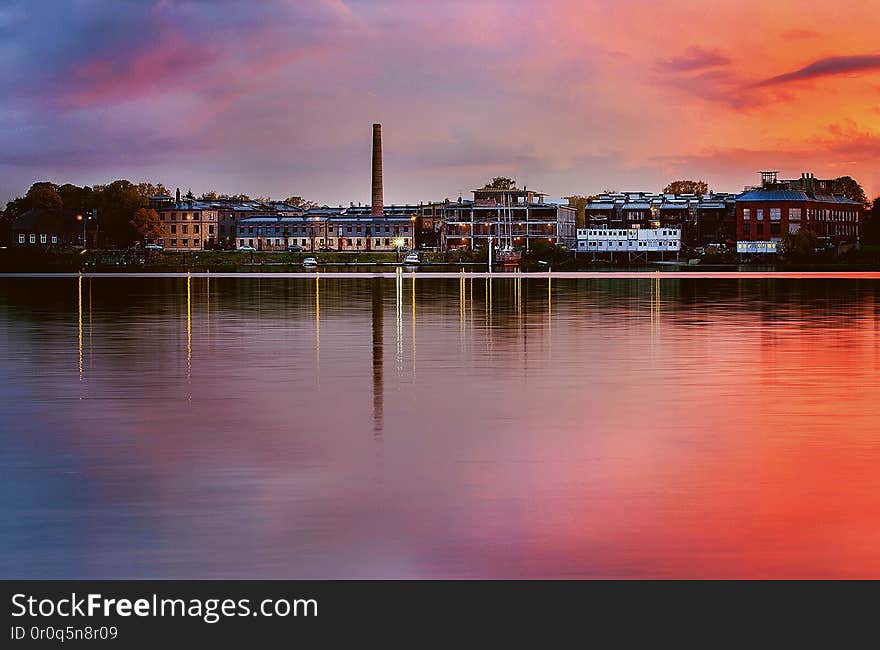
{"points": [[300, 202], [117, 203], [850, 188], [871, 225], [580, 204], [801, 244], [687, 187], [44, 195], [500, 183], [145, 222]]}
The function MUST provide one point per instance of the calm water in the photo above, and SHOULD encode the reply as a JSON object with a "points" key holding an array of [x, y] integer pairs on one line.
{"points": [[356, 427]]}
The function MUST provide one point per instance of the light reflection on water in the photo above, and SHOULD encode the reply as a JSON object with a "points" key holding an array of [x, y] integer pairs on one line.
{"points": [[464, 427]]}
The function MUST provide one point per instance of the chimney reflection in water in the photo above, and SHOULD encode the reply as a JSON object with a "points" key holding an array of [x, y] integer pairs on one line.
{"points": [[377, 356]]}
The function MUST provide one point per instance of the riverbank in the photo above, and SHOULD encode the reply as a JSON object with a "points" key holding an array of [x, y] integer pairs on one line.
{"points": [[26, 260]]}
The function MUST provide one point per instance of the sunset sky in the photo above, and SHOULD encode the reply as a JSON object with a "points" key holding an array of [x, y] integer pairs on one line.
{"points": [[277, 97]]}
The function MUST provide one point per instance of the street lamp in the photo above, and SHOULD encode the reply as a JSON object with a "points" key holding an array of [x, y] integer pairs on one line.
{"points": [[398, 243], [80, 217]]}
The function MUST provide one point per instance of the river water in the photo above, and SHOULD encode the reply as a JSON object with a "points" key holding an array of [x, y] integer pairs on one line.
{"points": [[356, 427]]}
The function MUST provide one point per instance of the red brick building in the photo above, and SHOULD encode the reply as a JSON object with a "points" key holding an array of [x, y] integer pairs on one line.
{"points": [[774, 214]]}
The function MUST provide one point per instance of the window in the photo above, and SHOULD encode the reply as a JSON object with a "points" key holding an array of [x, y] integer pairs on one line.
{"points": [[173, 229], [747, 214], [42, 239], [775, 214], [184, 229], [747, 229], [775, 228], [210, 230], [21, 238], [195, 241], [184, 241], [303, 242], [794, 214], [241, 242], [32, 239], [174, 242], [195, 229], [793, 227], [760, 214], [760, 228], [54, 239]]}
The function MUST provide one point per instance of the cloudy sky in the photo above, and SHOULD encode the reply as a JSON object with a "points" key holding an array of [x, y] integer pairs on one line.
{"points": [[277, 97]]}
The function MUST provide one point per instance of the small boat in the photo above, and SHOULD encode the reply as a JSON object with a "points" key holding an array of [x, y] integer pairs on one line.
{"points": [[507, 256], [412, 260], [310, 261]]}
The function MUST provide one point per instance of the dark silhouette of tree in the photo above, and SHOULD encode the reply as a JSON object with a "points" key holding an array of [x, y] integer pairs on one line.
{"points": [[849, 187], [500, 183], [871, 224]]}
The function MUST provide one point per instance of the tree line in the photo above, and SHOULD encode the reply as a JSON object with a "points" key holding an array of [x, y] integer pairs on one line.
{"points": [[122, 207]]}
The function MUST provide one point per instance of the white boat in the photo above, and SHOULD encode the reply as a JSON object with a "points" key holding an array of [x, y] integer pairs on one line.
{"points": [[310, 261], [412, 259]]}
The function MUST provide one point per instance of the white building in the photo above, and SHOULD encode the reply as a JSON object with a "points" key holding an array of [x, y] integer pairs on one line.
{"points": [[628, 240]]}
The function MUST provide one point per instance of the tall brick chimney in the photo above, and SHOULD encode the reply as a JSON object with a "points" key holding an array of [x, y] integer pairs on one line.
{"points": [[378, 195]]}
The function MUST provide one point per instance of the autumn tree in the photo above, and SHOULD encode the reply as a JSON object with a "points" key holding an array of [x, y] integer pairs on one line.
{"points": [[687, 187], [117, 203], [145, 222], [500, 183]]}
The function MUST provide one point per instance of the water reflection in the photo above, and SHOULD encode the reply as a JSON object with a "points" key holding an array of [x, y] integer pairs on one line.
{"points": [[560, 427], [378, 308]]}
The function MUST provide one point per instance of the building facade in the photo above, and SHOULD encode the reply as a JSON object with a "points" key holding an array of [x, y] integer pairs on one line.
{"points": [[629, 240], [773, 215], [516, 216], [39, 227], [336, 229], [187, 226], [701, 219]]}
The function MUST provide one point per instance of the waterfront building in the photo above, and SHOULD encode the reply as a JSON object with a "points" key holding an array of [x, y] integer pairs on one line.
{"points": [[702, 219], [41, 227], [518, 215], [336, 229], [187, 226], [777, 209], [638, 241]]}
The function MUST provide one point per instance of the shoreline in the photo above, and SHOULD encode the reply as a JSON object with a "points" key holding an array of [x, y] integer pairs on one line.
{"points": [[437, 275]]}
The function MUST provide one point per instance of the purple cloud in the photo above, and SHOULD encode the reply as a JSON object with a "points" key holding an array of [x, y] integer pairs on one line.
{"points": [[830, 66], [695, 58]]}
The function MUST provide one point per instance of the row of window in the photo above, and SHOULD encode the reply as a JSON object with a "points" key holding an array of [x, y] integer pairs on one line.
{"points": [[185, 216], [330, 242], [796, 214], [642, 243], [32, 238], [184, 229]]}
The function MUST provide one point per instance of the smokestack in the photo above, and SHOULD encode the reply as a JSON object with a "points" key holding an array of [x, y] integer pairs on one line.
{"points": [[378, 195]]}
